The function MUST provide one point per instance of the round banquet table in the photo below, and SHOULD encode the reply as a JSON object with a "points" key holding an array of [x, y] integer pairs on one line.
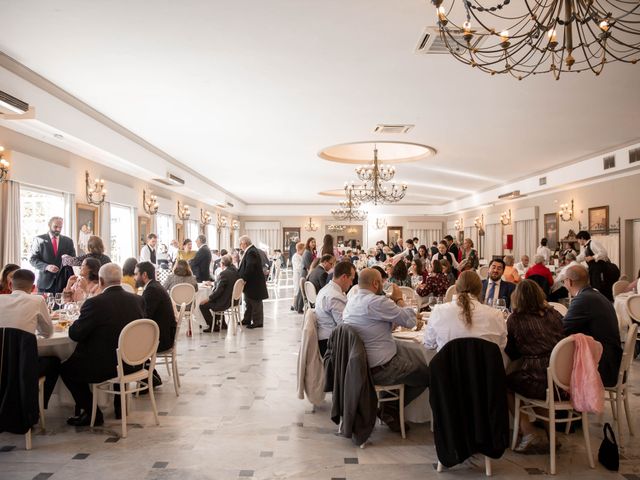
{"points": [[624, 319], [202, 294]]}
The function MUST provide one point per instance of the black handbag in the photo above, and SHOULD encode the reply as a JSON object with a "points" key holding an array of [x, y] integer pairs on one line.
{"points": [[608, 454]]}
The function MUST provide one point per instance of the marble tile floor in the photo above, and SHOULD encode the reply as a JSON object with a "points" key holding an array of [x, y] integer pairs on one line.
{"points": [[238, 417]]}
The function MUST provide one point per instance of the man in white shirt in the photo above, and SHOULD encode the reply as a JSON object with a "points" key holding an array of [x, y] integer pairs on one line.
{"points": [[597, 257], [28, 312], [373, 316], [331, 301], [523, 265], [148, 252], [544, 251]]}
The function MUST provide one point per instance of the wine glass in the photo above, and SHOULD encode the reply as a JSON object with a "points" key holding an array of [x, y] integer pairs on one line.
{"points": [[500, 304], [432, 301], [440, 300], [59, 299]]}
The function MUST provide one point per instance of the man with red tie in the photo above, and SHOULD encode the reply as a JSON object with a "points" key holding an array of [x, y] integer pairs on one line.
{"points": [[46, 255]]}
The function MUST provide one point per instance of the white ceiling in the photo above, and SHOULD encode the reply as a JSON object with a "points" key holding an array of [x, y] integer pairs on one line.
{"points": [[246, 92]]}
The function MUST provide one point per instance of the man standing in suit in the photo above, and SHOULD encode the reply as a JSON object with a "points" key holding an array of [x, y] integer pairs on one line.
{"points": [[97, 330], [451, 246], [220, 298], [255, 289], [319, 276], [591, 313], [494, 287], [46, 255], [201, 263]]}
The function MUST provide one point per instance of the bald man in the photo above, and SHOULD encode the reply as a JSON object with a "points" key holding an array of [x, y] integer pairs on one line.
{"points": [[373, 316], [592, 314]]}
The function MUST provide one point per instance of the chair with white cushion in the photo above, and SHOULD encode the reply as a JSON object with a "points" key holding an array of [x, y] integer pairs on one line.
{"points": [[633, 307], [310, 293], [620, 287], [184, 293], [451, 291], [170, 357], [483, 272], [560, 308], [137, 344], [305, 302], [408, 295]]}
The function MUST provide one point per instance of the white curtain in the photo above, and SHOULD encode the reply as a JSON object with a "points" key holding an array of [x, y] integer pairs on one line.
{"points": [[526, 238], [493, 240], [612, 244], [472, 233], [69, 224], [426, 235], [10, 221], [266, 239], [105, 227], [225, 240]]}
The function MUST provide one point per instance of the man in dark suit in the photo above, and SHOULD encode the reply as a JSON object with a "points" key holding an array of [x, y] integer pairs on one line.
{"points": [[97, 330], [398, 247], [46, 256], [220, 298], [592, 314], [201, 263], [157, 303], [451, 246], [494, 287], [319, 276], [255, 289]]}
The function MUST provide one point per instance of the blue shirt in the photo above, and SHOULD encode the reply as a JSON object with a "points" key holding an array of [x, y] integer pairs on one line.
{"points": [[329, 305]]}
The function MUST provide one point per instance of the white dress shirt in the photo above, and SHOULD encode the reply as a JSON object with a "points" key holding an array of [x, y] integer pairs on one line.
{"points": [[599, 252], [26, 312], [496, 293], [329, 306], [373, 316], [545, 252], [521, 268], [562, 274], [145, 254], [446, 323]]}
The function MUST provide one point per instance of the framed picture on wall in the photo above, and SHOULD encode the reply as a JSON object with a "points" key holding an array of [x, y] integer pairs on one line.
{"points": [[289, 234], [393, 234], [88, 223], [551, 230], [144, 228], [599, 220]]}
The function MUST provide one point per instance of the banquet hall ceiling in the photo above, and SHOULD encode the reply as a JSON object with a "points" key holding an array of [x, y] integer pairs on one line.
{"points": [[247, 92]]}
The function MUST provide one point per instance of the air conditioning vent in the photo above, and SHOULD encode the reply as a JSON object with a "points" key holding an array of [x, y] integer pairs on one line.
{"points": [[542, 181], [634, 155], [430, 42], [609, 162], [171, 180], [10, 105], [514, 194], [386, 128]]}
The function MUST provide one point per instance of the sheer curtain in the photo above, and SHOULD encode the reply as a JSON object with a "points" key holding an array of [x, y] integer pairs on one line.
{"points": [[612, 244], [69, 225], [526, 238], [10, 219], [426, 235], [105, 227], [493, 240], [225, 241], [264, 235]]}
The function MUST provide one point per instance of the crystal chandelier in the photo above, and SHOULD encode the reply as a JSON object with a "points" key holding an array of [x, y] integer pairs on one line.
{"points": [[336, 228], [374, 189], [542, 36], [349, 208]]}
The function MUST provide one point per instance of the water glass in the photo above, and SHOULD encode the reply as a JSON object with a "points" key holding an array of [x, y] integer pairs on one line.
{"points": [[440, 300], [59, 299], [500, 304]]}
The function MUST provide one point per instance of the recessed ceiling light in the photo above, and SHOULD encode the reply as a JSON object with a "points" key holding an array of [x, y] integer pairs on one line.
{"points": [[58, 136]]}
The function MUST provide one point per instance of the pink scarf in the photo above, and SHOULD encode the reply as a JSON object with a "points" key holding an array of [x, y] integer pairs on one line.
{"points": [[587, 390]]}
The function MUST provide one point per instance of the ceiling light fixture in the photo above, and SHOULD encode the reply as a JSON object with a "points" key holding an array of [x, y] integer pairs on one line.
{"points": [[550, 36], [381, 222], [336, 228], [373, 189], [205, 217], [94, 190], [150, 204], [349, 208], [183, 211], [235, 225], [310, 227], [221, 221], [4, 166]]}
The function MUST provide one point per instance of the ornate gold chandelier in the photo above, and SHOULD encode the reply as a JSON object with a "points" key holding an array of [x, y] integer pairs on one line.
{"points": [[374, 189], [349, 208], [542, 36]]}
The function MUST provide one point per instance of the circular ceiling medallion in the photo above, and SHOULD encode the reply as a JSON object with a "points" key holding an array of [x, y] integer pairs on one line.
{"points": [[339, 192], [388, 152]]}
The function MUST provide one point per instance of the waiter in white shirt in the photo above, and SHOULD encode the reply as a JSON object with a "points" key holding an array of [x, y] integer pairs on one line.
{"points": [[148, 252], [28, 312], [597, 259], [544, 251]]}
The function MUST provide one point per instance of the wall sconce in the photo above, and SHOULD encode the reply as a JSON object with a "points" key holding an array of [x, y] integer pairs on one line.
{"points": [[235, 225], [221, 222], [183, 211], [566, 212], [94, 190], [4, 166], [205, 217], [381, 223], [310, 227], [505, 217], [459, 225], [150, 203], [478, 222]]}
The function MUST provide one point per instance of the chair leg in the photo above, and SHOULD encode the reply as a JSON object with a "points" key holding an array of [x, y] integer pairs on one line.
{"points": [[516, 424], [94, 404], [587, 438], [175, 376], [627, 411], [552, 440], [123, 408], [166, 362], [401, 400], [567, 429], [41, 402], [619, 418], [27, 440], [487, 467], [440, 467], [612, 401], [152, 397]]}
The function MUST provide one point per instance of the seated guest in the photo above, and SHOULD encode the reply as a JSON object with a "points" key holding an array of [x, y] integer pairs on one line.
{"points": [[444, 254], [558, 290], [128, 275], [511, 273], [465, 317], [218, 259], [331, 301], [592, 313], [423, 254], [400, 274], [447, 270], [523, 265], [470, 260], [373, 316], [97, 330], [95, 249], [633, 286], [28, 312], [80, 286], [201, 263], [533, 330], [418, 270], [181, 274], [220, 298], [494, 287], [187, 252], [157, 304], [436, 283], [319, 274], [6, 276], [539, 268]]}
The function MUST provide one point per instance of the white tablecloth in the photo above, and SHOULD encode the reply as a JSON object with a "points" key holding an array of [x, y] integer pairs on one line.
{"points": [[624, 320]]}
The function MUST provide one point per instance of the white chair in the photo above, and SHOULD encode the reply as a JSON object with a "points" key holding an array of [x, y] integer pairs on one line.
{"points": [[232, 314], [137, 344], [560, 308], [451, 291], [184, 293], [558, 379], [620, 287], [395, 392], [408, 295], [483, 272], [27, 436], [353, 291], [305, 302], [169, 357], [310, 293], [273, 281], [127, 288], [619, 394], [633, 307]]}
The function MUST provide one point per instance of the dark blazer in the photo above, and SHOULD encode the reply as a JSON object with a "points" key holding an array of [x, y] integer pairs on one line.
{"points": [[592, 314], [200, 264], [101, 320], [453, 248], [251, 272], [318, 277], [159, 308], [220, 298], [506, 289], [42, 255]]}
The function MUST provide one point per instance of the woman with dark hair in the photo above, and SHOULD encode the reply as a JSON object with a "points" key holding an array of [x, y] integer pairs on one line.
{"points": [[95, 249], [5, 277], [400, 274], [181, 274], [418, 270], [534, 328], [465, 317], [187, 253], [447, 270], [79, 286], [327, 247], [308, 256], [423, 254], [435, 284], [128, 269]]}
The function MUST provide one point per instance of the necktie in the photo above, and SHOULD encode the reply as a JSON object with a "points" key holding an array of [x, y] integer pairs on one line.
{"points": [[492, 291], [54, 241]]}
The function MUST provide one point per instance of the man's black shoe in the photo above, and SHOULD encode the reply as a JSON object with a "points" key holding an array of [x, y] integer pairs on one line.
{"points": [[207, 330], [253, 325], [224, 325], [246, 324], [216, 328], [84, 420]]}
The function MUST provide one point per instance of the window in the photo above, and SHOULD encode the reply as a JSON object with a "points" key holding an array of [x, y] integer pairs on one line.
{"points": [[36, 208], [212, 236], [121, 242], [191, 230], [165, 229]]}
